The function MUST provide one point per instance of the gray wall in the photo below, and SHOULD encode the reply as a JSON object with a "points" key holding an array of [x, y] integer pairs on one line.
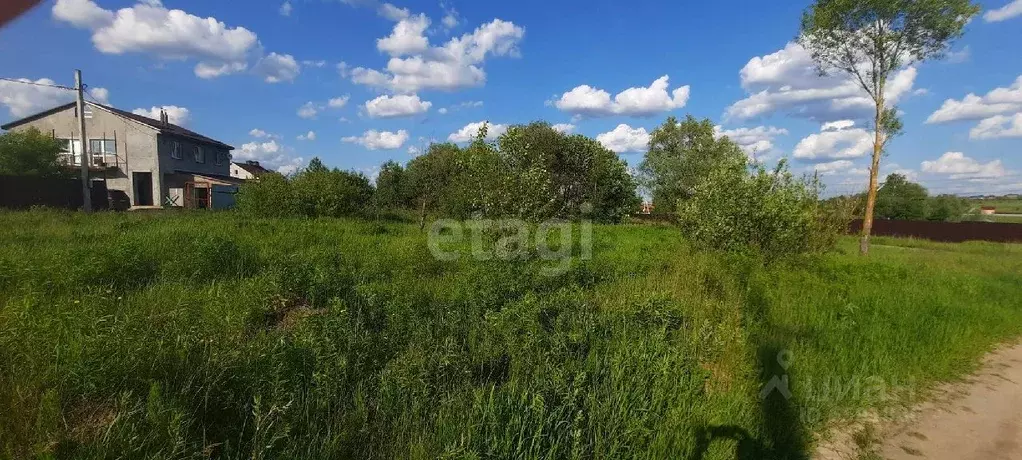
{"points": [[187, 162], [136, 145]]}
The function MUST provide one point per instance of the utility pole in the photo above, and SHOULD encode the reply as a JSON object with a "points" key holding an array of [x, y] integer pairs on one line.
{"points": [[86, 187]]}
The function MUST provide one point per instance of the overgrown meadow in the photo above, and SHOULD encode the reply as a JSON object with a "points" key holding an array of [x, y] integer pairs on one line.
{"points": [[195, 335]]}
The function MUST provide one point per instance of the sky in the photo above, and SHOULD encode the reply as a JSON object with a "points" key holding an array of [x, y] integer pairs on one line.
{"points": [[360, 82]]}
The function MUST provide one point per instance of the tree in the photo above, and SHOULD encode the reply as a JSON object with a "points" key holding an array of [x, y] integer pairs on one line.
{"points": [[948, 208], [30, 153], [391, 187], [900, 199], [680, 156], [869, 40]]}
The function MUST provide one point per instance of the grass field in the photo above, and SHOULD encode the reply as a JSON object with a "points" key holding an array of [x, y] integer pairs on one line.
{"points": [[1004, 206], [208, 335]]}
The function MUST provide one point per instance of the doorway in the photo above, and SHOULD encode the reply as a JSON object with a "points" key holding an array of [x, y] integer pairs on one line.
{"points": [[143, 184]]}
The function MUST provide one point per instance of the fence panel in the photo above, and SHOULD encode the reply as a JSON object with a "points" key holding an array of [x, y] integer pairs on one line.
{"points": [[23, 192], [951, 232]]}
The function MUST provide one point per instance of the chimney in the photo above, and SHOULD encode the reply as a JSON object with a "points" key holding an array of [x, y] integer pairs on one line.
{"points": [[163, 117], [252, 162]]}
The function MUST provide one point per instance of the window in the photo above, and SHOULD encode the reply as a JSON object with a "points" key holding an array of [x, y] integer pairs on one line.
{"points": [[69, 151], [103, 151], [175, 150], [200, 155], [221, 156]]}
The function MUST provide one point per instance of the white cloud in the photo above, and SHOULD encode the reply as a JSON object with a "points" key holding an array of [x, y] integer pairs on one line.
{"points": [[408, 37], [258, 133], [959, 166], [309, 136], [286, 8], [998, 126], [379, 140], [835, 141], [396, 106], [787, 82], [149, 27], [442, 110], [392, 12], [314, 63], [177, 115], [309, 110], [338, 102], [82, 13], [207, 71], [756, 142], [469, 132], [454, 65], [837, 125], [1005, 12], [972, 107], [456, 107], [275, 68], [271, 155], [832, 167], [451, 18], [586, 100], [24, 99], [624, 139], [960, 56], [413, 150], [565, 128]]}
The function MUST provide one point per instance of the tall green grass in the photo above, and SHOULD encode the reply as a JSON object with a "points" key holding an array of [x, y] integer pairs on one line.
{"points": [[208, 335]]}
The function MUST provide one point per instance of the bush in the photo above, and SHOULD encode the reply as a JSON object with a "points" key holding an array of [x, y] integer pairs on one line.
{"points": [[947, 208], [314, 192], [767, 212]]}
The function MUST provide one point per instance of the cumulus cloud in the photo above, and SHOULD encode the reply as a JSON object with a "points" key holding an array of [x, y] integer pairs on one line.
{"points": [[959, 166], [648, 101], [22, 98], [177, 115], [338, 102], [149, 27], [625, 139], [566, 128], [275, 68], [831, 167], [416, 65], [309, 136], [271, 155], [998, 126], [408, 37], [1005, 12], [396, 106], [998, 101], [260, 134], [392, 12], [379, 140], [470, 131], [835, 141], [451, 17], [309, 110], [787, 82], [756, 142], [286, 8], [456, 107]]}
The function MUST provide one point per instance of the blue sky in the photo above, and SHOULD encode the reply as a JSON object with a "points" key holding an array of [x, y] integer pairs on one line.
{"points": [[375, 81]]}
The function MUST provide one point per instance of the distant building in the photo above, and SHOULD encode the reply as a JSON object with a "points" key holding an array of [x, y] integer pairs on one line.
{"points": [[647, 208], [987, 210], [247, 170], [144, 161]]}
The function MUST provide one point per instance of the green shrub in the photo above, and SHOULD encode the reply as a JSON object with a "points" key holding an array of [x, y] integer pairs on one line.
{"points": [[766, 212]]}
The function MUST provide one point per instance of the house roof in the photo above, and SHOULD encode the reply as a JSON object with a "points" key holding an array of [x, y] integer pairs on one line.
{"points": [[168, 128], [254, 169]]}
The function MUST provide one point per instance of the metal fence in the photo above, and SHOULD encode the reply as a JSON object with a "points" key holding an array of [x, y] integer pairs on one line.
{"points": [[23, 192], [951, 232]]}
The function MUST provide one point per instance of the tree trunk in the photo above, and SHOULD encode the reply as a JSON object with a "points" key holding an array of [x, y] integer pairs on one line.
{"points": [[422, 215], [874, 170]]}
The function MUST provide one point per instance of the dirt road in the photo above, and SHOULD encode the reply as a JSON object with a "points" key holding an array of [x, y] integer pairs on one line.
{"points": [[980, 418]]}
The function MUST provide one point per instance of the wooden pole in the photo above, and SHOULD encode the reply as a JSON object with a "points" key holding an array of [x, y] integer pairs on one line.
{"points": [[84, 140]]}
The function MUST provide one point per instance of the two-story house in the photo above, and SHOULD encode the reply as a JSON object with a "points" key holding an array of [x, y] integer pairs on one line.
{"points": [[146, 161]]}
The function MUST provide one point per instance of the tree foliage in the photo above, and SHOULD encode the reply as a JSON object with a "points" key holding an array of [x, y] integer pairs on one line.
{"points": [[30, 153], [316, 191], [532, 172], [680, 156], [391, 186], [900, 199]]}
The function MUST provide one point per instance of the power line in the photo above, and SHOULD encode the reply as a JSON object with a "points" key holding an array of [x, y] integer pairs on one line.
{"points": [[15, 80]]}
